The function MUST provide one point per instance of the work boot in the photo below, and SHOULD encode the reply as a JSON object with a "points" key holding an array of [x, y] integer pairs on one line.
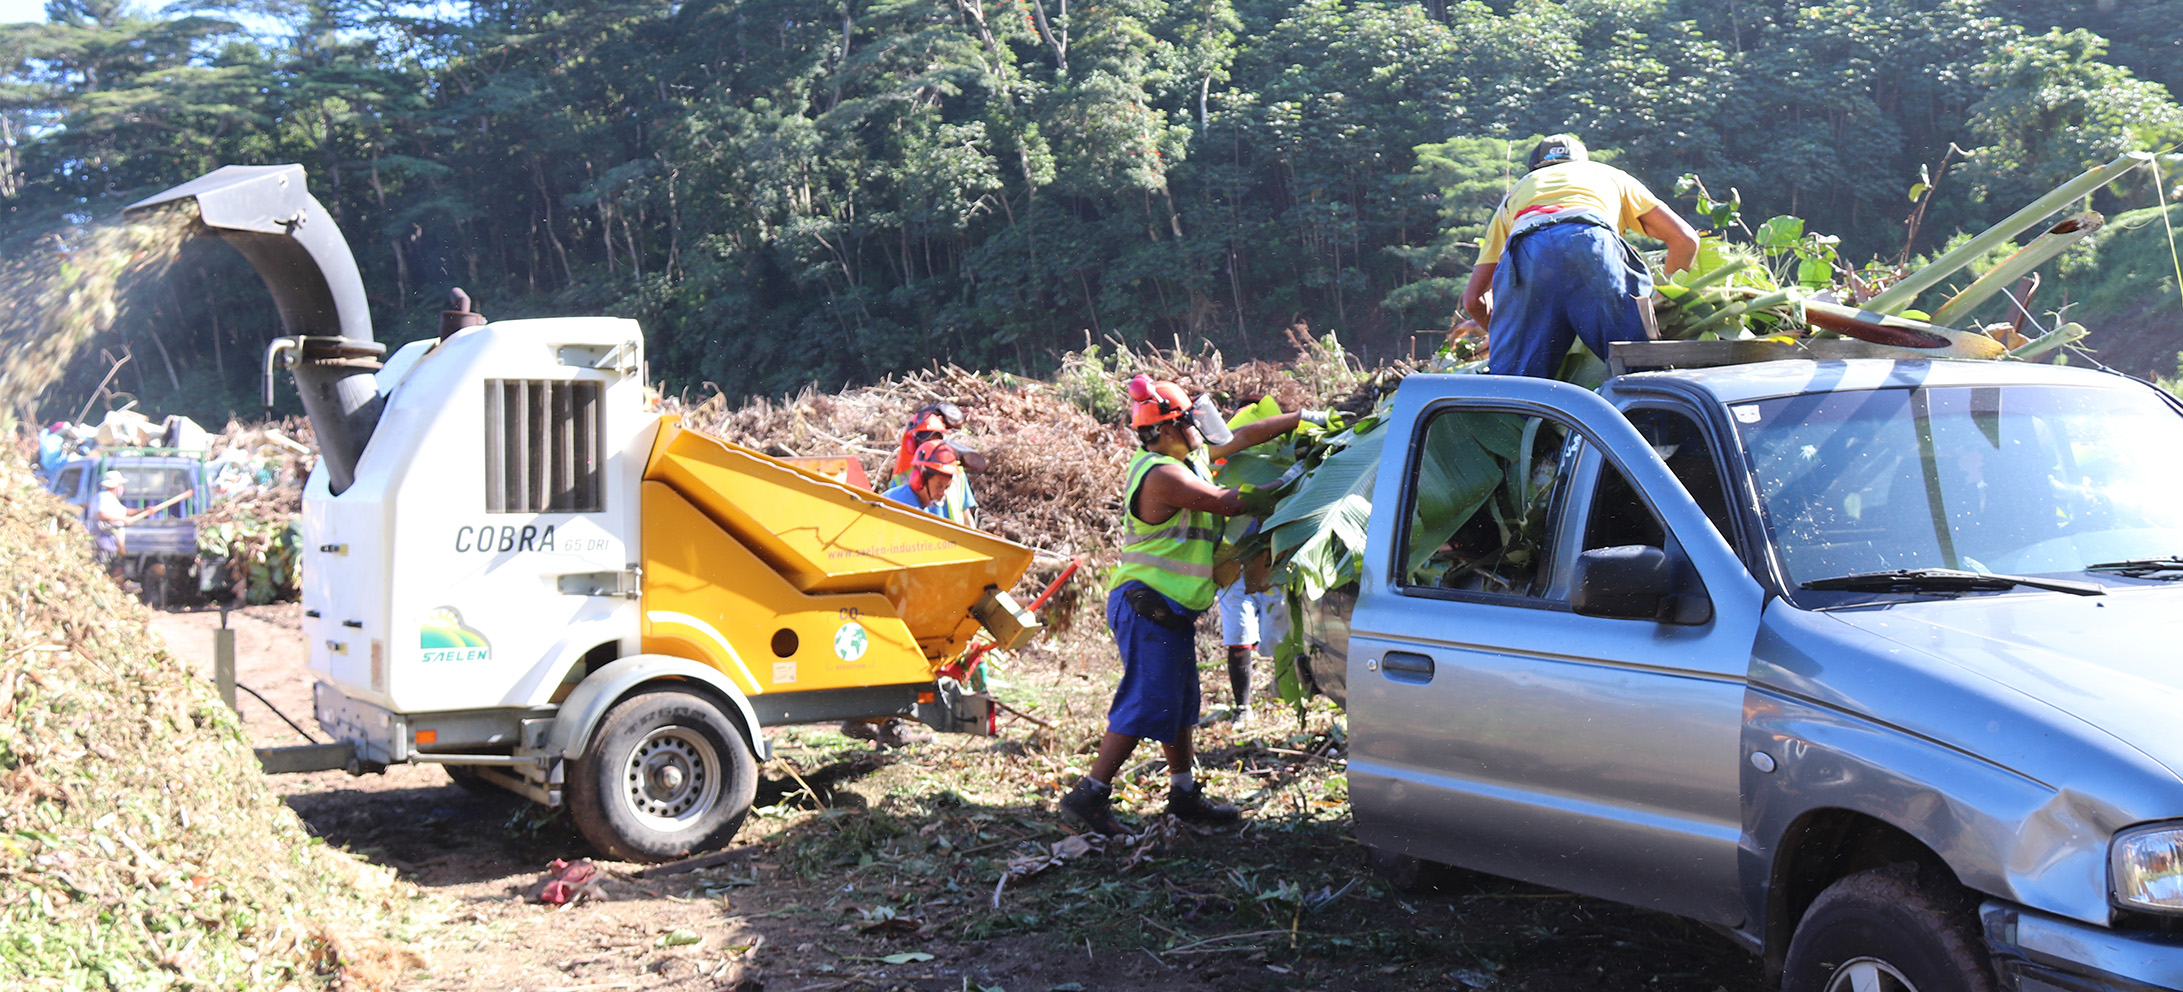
{"points": [[1191, 806], [1092, 805]]}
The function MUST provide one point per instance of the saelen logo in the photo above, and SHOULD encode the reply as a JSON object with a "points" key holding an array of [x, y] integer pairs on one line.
{"points": [[444, 638]]}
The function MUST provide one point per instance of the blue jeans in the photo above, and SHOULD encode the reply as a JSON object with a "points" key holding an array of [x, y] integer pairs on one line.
{"points": [[1559, 283]]}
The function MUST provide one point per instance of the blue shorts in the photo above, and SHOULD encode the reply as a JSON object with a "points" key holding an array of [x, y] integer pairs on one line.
{"points": [[1158, 697], [1559, 283]]}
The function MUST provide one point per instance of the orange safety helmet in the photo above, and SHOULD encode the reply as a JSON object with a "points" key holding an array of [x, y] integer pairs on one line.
{"points": [[937, 456], [1155, 401], [905, 453]]}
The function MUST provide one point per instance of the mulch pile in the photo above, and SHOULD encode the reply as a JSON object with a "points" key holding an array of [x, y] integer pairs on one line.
{"points": [[139, 844]]}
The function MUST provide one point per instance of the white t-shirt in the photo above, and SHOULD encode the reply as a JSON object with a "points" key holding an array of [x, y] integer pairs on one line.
{"points": [[105, 504]]}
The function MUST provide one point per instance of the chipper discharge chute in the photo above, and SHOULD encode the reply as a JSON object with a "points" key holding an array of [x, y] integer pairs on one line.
{"points": [[514, 566]]}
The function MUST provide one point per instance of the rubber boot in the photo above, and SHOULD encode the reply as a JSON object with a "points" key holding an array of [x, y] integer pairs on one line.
{"points": [[1092, 805], [1239, 680], [1191, 806]]}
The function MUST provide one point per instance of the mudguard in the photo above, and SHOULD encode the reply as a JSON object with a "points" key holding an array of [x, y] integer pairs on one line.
{"points": [[598, 692]]}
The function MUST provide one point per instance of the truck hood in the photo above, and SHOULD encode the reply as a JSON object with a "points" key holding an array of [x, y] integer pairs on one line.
{"points": [[2113, 662]]}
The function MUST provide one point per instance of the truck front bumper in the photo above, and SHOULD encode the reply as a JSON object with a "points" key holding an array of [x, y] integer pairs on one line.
{"points": [[2035, 952]]}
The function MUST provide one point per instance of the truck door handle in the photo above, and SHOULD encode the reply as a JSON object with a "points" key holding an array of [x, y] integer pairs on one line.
{"points": [[1403, 666]]}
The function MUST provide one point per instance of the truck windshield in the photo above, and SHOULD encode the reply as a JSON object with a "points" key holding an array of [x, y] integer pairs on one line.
{"points": [[153, 483], [2009, 479]]}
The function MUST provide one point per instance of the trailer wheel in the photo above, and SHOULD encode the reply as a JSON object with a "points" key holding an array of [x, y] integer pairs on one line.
{"points": [[666, 774], [1888, 930]]}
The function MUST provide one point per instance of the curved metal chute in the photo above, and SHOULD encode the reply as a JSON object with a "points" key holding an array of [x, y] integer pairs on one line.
{"points": [[290, 239]]}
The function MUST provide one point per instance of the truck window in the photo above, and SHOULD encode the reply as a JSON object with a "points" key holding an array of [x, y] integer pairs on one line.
{"points": [[149, 484], [2017, 479], [69, 482], [1481, 503], [542, 444], [1682, 445], [1619, 517]]}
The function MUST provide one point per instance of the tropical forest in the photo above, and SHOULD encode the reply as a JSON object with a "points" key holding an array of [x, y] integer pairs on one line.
{"points": [[825, 192]]}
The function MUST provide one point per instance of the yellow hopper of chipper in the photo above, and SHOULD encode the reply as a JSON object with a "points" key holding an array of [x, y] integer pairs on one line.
{"points": [[788, 581]]}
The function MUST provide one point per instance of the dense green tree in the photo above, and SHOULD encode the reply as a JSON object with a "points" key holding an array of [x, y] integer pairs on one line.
{"points": [[786, 191], [2053, 107]]}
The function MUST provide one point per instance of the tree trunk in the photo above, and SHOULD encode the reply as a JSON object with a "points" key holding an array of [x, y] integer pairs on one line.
{"points": [[212, 311], [674, 225]]}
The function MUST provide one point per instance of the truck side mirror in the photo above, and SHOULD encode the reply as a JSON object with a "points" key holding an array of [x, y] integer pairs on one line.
{"points": [[1637, 582]]}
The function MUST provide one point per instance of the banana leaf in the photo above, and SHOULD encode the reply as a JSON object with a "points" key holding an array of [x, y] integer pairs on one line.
{"points": [[1348, 471], [1465, 458], [1318, 532], [1329, 554], [1265, 407], [1254, 467]]}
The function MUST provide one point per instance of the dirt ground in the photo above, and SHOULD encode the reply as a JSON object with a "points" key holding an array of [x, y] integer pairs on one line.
{"points": [[863, 870]]}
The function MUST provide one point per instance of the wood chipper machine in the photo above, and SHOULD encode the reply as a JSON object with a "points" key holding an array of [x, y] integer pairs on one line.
{"points": [[516, 568]]}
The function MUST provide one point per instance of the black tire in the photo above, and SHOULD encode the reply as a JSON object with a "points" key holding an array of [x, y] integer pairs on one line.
{"points": [[1404, 873], [666, 774], [473, 783], [1895, 928]]}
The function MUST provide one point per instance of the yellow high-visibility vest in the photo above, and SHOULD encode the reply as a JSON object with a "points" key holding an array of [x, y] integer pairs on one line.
{"points": [[1175, 557]]}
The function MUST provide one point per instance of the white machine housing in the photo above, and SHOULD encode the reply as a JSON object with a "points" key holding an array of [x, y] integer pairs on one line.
{"points": [[501, 486]]}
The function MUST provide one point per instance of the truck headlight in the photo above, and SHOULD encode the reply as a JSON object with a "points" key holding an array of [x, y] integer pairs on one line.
{"points": [[2145, 868]]}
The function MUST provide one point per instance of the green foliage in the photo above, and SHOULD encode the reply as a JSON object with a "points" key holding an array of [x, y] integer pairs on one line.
{"points": [[1464, 178], [861, 188], [2053, 108], [1087, 384], [264, 557]]}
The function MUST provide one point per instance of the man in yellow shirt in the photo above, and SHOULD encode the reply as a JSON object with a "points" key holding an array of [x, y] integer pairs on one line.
{"points": [[1558, 267]]}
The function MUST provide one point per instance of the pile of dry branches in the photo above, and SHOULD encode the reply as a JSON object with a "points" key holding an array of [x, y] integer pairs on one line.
{"points": [[1058, 449]]}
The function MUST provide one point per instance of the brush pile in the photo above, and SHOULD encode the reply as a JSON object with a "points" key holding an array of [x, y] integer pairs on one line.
{"points": [[139, 845], [1058, 450], [250, 534]]}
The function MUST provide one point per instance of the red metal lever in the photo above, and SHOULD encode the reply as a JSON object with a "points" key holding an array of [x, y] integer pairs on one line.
{"points": [[1074, 564]]}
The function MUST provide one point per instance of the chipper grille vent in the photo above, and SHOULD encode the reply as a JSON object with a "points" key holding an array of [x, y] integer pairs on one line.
{"points": [[542, 443]]}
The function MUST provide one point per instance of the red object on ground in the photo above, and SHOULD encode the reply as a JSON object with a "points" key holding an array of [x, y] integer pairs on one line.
{"points": [[567, 881]]}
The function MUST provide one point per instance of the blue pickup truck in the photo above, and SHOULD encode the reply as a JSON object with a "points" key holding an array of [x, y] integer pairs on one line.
{"points": [[158, 552], [1870, 664]]}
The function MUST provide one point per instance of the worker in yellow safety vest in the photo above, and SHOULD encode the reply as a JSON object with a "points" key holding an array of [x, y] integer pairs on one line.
{"points": [[1163, 582]]}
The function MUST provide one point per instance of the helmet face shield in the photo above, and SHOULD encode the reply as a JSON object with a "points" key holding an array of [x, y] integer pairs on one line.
{"points": [[1209, 422]]}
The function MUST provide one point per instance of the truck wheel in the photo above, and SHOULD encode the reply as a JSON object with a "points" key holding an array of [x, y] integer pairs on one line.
{"points": [[1888, 930], [666, 774]]}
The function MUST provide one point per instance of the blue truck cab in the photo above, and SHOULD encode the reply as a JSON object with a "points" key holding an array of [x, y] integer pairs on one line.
{"points": [[159, 552], [1868, 663]]}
